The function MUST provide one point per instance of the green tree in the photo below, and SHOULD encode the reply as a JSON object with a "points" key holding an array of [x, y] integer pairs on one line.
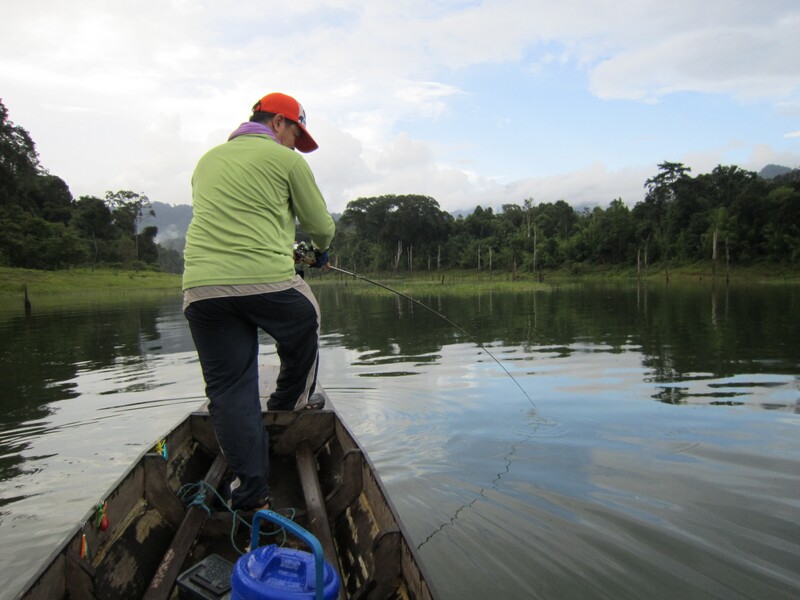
{"points": [[781, 241], [91, 218], [650, 216], [742, 194], [146, 244], [60, 248], [717, 236], [511, 240], [19, 162], [51, 199], [480, 224], [397, 227], [127, 209], [170, 260], [31, 242], [609, 233]]}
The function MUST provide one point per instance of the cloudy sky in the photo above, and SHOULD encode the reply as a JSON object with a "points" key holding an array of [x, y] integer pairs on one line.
{"points": [[470, 102]]}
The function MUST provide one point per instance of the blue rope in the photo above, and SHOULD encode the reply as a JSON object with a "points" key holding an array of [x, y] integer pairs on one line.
{"points": [[194, 494]]}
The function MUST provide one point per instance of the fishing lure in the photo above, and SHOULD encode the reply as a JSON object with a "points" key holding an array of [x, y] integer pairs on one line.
{"points": [[101, 516], [161, 448], [84, 552]]}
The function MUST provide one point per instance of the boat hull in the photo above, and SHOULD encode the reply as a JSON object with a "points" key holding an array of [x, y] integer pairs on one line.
{"points": [[319, 475]]}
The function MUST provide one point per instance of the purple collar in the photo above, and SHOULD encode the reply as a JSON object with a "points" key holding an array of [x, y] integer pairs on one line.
{"points": [[250, 128]]}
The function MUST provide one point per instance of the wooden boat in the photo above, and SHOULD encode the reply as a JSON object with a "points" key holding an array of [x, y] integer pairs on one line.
{"points": [[141, 537]]}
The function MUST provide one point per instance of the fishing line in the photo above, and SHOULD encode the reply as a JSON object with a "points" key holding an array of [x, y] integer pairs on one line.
{"points": [[483, 493], [440, 315], [507, 459]]}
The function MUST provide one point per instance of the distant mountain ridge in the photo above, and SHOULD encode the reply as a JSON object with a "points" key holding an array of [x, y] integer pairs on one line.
{"points": [[172, 221], [773, 171]]}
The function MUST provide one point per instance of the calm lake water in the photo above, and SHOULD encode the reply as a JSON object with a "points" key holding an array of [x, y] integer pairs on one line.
{"points": [[658, 455]]}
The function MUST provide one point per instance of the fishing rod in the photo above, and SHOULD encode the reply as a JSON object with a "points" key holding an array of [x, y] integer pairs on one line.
{"points": [[305, 254], [302, 251]]}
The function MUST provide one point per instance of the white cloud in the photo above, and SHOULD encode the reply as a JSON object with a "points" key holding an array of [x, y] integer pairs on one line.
{"points": [[129, 95], [762, 155], [750, 63], [594, 185], [409, 166]]}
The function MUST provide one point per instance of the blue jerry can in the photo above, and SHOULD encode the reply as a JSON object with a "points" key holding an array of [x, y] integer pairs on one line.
{"points": [[274, 573]]}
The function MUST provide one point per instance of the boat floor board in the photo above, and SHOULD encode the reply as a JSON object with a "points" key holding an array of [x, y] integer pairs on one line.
{"points": [[128, 564], [172, 562], [318, 523]]}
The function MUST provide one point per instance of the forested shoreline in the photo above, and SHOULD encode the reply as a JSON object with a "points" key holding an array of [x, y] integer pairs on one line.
{"points": [[727, 217]]}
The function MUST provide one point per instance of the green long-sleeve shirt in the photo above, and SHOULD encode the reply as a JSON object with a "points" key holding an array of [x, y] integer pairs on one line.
{"points": [[245, 195]]}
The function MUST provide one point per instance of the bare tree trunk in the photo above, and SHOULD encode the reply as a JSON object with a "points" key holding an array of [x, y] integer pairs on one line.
{"points": [[490, 261], [411, 257], [639, 263], [26, 301], [96, 250], [714, 303], [398, 255], [479, 257], [727, 262], [439, 257], [535, 248], [714, 253]]}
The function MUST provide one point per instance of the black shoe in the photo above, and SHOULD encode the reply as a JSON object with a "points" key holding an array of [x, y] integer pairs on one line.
{"points": [[245, 515], [315, 402], [262, 504]]}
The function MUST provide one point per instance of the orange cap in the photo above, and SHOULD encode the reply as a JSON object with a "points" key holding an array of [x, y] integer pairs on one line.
{"points": [[281, 104]]}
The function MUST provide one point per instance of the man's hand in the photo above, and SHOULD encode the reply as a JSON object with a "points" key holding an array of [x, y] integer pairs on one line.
{"points": [[323, 261]]}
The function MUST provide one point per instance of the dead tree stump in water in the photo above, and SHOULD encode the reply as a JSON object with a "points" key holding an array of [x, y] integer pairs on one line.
{"points": [[27, 301]]}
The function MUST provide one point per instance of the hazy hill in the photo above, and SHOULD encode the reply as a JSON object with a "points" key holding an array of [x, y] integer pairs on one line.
{"points": [[772, 171], [792, 177], [172, 221]]}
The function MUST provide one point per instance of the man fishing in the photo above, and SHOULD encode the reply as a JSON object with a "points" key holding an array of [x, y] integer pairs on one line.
{"points": [[240, 277]]}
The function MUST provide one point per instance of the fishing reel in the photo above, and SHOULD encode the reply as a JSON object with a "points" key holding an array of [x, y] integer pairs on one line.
{"points": [[304, 253], [307, 255]]}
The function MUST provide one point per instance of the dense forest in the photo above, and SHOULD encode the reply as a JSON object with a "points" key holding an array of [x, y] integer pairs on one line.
{"points": [[726, 217]]}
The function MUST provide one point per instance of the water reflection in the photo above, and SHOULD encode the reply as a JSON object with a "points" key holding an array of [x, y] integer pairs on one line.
{"points": [[680, 339], [44, 356]]}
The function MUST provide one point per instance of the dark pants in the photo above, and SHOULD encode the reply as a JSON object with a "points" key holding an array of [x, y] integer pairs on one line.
{"points": [[225, 332]]}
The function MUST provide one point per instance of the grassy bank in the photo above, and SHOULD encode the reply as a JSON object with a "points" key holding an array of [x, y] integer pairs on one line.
{"points": [[470, 281], [80, 281], [13, 281], [752, 273]]}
